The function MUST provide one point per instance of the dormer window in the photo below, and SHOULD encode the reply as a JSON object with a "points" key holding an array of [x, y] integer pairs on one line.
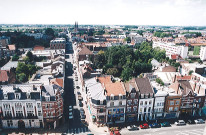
{"points": [[17, 96], [112, 97], [120, 96], [5, 96]]}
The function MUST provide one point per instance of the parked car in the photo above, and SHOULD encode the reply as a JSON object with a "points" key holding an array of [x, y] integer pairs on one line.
{"points": [[70, 108], [165, 124], [144, 126], [70, 115], [199, 121], [190, 122], [180, 123], [133, 127], [80, 104], [155, 125]]}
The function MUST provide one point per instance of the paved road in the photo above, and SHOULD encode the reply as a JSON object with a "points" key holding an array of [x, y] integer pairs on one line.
{"points": [[70, 96], [174, 130]]}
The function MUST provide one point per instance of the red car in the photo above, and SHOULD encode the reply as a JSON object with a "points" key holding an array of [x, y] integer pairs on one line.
{"points": [[144, 126]]}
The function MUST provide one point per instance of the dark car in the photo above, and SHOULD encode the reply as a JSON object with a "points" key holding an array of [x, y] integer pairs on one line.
{"points": [[80, 104], [190, 122], [155, 125], [144, 126], [165, 124]]}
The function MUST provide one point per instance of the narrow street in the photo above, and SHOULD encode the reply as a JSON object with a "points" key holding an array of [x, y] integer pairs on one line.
{"points": [[70, 96]]}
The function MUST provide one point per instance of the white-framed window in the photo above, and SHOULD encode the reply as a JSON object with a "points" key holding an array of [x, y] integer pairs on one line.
{"points": [[158, 104], [6, 106], [111, 97], [38, 105], [135, 101], [29, 105], [120, 103], [111, 103], [120, 97], [134, 108], [39, 113], [171, 102], [170, 108], [177, 102], [9, 123], [128, 109], [17, 96], [150, 102], [18, 105], [145, 102], [176, 108], [129, 102], [141, 103]]}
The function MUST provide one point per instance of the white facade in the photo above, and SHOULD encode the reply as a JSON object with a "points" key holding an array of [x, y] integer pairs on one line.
{"points": [[172, 49], [145, 109], [159, 106], [203, 53], [116, 108], [21, 106]]}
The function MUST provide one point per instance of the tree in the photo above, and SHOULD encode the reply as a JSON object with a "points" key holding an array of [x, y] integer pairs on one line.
{"points": [[49, 32], [126, 74], [158, 80], [22, 77], [127, 39], [30, 56], [190, 72], [15, 57], [200, 61], [112, 71]]}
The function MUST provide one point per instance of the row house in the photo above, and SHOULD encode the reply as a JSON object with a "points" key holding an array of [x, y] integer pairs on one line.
{"points": [[21, 106], [146, 99], [96, 100], [52, 105], [115, 99], [132, 95]]}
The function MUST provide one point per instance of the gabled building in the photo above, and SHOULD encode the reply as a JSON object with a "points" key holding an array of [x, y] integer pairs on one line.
{"points": [[96, 100], [146, 99], [115, 99], [85, 54], [52, 105], [132, 95]]}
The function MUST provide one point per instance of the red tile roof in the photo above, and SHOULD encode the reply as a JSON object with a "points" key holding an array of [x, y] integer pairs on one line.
{"points": [[12, 47], [4, 76], [58, 82], [184, 77], [169, 69], [38, 47]]}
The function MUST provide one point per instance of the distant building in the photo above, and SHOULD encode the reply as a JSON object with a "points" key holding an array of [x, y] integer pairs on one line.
{"points": [[58, 43], [172, 49], [203, 53], [35, 35]]}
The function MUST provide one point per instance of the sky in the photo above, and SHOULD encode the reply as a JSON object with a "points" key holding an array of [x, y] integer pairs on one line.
{"points": [[110, 12]]}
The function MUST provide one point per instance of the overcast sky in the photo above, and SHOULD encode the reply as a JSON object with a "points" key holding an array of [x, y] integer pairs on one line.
{"points": [[126, 12]]}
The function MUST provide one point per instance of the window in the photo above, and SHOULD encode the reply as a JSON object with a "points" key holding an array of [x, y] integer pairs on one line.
{"points": [[171, 102], [176, 109], [38, 105], [170, 108], [198, 105], [6, 106], [9, 123], [39, 113], [111, 103], [158, 104], [149, 109], [101, 102], [177, 102], [134, 109], [135, 102], [140, 110], [101, 110], [145, 102], [133, 95], [145, 110], [120, 102], [30, 113], [18, 105], [155, 110], [141, 103], [17, 96], [150, 102], [199, 99], [129, 102], [29, 105], [110, 111], [112, 97], [120, 97], [129, 109]]}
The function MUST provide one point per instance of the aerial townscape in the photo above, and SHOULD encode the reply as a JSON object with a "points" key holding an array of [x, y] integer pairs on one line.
{"points": [[103, 67], [112, 79]]}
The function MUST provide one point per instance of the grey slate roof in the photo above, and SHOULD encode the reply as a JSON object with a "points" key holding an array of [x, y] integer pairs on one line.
{"points": [[144, 85]]}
